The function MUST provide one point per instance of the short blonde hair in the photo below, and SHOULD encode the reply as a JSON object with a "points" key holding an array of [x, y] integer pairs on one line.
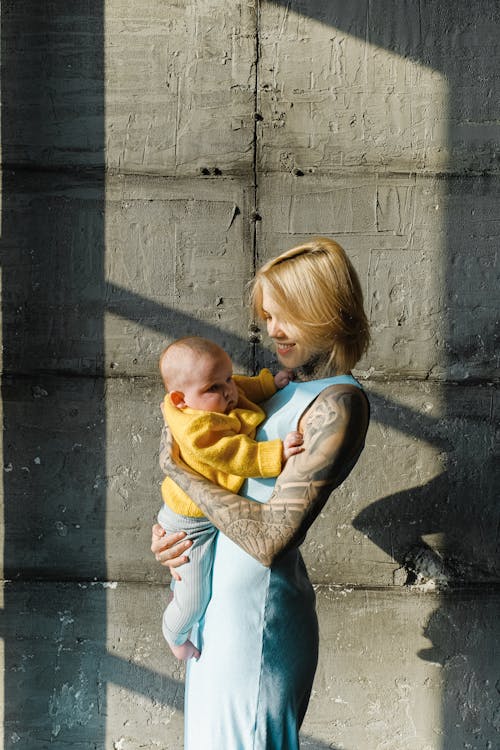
{"points": [[173, 358], [317, 288]]}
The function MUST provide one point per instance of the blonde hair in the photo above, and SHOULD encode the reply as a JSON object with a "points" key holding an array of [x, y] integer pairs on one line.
{"points": [[319, 292], [173, 358]]}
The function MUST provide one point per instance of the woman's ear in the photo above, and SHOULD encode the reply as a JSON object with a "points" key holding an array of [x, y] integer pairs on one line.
{"points": [[177, 398]]}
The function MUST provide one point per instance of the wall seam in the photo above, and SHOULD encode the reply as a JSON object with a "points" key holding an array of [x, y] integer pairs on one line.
{"points": [[255, 216]]}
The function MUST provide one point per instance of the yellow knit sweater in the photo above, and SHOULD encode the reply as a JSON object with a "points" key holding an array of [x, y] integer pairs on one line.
{"points": [[221, 447]]}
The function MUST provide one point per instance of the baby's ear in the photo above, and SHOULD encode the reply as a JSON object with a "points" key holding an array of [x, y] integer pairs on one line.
{"points": [[177, 398]]}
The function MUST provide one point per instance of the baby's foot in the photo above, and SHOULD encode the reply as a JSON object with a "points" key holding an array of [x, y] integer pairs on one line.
{"points": [[185, 651]]}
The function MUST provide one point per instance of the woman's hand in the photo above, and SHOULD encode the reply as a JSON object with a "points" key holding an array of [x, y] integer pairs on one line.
{"points": [[169, 549]]}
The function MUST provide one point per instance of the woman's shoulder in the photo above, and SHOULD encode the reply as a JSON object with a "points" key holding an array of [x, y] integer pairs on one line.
{"points": [[351, 386], [349, 393], [343, 401]]}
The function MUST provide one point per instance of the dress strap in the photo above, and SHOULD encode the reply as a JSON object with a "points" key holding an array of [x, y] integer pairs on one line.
{"points": [[341, 380]]}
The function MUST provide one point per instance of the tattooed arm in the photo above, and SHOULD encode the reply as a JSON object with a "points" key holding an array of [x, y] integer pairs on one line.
{"points": [[334, 430]]}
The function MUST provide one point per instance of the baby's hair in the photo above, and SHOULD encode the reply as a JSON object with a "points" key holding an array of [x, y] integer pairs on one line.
{"points": [[172, 358], [319, 293]]}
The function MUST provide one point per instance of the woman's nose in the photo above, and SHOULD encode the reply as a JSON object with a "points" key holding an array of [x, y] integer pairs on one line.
{"points": [[272, 327]]}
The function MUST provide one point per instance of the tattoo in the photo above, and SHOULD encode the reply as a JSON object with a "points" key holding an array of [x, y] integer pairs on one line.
{"points": [[319, 366], [334, 432]]}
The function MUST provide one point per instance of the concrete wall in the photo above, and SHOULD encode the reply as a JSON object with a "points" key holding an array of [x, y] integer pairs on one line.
{"points": [[153, 155]]}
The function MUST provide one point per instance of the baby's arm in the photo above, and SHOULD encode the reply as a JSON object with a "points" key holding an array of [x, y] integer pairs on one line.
{"points": [[257, 388], [232, 453], [217, 443], [260, 387]]}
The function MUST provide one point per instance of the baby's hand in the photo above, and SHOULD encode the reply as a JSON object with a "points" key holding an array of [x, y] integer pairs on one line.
{"points": [[292, 444], [282, 378], [185, 651]]}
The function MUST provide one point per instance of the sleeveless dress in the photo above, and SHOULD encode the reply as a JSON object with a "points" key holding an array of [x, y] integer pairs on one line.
{"points": [[259, 635]]}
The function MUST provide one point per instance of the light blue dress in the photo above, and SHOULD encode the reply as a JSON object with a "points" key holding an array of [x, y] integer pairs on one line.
{"points": [[259, 636]]}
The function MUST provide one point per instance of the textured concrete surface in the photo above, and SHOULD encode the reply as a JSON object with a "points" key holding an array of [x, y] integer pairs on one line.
{"points": [[84, 668], [425, 249], [167, 90], [400, 86], [152, 156], [94, 474], [133, 263], [138, 261], [197, 110]]}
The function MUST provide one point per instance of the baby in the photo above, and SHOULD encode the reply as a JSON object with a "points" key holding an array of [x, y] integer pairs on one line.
{"points": [[213, 418]]}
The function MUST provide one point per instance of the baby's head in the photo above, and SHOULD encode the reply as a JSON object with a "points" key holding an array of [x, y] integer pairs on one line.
{"points": [[197, 373]]}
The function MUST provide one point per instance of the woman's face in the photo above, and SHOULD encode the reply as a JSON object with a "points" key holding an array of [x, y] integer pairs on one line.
{"points": [[291, 348]]}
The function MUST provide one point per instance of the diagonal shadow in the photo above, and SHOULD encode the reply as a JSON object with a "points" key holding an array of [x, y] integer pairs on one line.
{"points": [[310, 743], [173, 323]]}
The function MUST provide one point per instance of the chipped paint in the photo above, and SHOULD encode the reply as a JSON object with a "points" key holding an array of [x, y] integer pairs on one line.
{"points": [[71, 705]]}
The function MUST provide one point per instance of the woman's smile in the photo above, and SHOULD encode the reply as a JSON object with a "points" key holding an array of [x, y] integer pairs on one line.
{"points": [[282, 348]]}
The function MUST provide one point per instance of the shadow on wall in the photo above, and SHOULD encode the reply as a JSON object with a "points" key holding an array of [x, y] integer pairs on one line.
{"points": [[309, 743], [52, 238], [445, 533], [456, 514]]}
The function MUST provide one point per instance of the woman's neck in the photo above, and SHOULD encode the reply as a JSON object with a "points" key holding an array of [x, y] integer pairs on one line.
{"points": [[319, 366]]}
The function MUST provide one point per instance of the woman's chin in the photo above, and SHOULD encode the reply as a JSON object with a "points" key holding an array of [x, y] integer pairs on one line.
{"points": [[289, 357], [289, 362]]}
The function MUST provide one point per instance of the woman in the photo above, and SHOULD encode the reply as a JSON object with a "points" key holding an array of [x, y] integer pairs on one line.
{"points": [[259, 638]]}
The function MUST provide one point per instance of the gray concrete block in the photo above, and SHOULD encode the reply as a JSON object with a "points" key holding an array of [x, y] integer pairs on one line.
{"points": [[98, 278], [54, 469], [86, 667], [178, 259], [53, 69], [405, 87], [180, 87], [408, 672], [167, 90], [425, 252], [453, 225]]}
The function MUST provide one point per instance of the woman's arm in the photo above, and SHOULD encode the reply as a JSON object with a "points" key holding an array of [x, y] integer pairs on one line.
{"points": [[334, 429]]}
